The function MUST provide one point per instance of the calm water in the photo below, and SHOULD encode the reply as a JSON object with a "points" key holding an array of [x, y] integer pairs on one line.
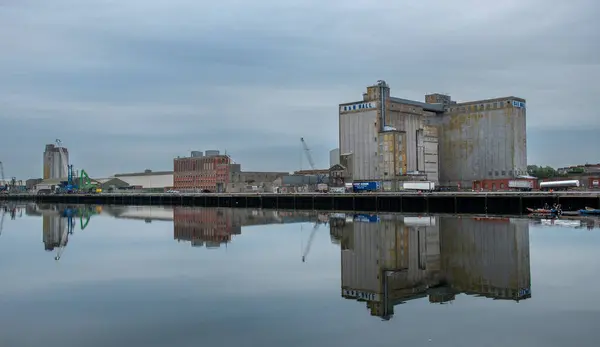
{"points": [[233, 277]]}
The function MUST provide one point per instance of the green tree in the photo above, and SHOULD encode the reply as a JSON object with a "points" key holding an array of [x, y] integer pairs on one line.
{"points": [[542, 171]]}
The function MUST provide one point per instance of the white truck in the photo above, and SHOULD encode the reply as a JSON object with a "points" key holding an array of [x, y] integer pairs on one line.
{"points": [[419, 185], [525, 185], [337, 190]]}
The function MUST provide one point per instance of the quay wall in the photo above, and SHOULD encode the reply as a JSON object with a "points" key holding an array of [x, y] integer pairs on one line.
{"points": [[476, 203]]}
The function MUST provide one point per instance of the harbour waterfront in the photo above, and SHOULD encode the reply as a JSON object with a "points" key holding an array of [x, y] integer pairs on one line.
{"points": [[504, 203], [156, 276]]}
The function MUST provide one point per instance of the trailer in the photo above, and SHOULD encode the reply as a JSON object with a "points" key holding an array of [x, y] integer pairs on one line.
{"points": [[365, 186], [322, 187], [524, 185], [419, 185], [337, 190], [559, 185]]}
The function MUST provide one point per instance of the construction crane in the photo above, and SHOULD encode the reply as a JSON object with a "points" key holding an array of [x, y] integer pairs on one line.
{"points": [[310, 241], [311, 162]]}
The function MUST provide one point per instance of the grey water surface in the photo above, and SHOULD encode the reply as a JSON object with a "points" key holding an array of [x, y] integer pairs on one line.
{"points": [[89, 276]]}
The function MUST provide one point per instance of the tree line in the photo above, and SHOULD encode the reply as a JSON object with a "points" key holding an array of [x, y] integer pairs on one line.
{"points": [[542, 171]]}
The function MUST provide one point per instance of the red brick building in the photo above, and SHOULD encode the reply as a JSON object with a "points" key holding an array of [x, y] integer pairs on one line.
{"points": [[208, 226], [201, 172], [500, 184]]}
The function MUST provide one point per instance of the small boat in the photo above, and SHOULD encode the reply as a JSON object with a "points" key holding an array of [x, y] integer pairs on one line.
{"points": [[540, 210], [544, 211]]}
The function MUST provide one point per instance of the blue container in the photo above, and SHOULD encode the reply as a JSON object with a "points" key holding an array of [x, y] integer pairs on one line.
{"points": [[365, 186], [366, 218]]}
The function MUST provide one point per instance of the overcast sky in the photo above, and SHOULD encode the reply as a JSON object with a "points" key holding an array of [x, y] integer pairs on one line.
{"points": [[129, 84]]}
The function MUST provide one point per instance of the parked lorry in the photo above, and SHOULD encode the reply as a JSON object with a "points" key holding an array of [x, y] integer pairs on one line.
{"points": [[419, 185], [365, 186], [525, 185]]}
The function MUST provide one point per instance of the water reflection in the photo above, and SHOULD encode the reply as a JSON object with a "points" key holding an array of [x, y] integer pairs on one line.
{"points": [[386, 260], [12, 210], [394, 259], [437, 277], [213, 227]]}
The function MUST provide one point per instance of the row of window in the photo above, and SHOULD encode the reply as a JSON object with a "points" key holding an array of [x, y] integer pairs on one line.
{"points": [[486, 106], [199, 164], [510, 173], [203, 174], [486, 186]]}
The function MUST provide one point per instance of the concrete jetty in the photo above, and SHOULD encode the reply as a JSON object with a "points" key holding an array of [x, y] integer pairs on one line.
{"points": [[439, 202]]}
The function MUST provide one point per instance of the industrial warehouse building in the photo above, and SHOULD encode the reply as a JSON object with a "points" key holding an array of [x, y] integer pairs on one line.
{"points": [[389, 139], [214, 172], [148, 180], [201, 171], [251, 181]]}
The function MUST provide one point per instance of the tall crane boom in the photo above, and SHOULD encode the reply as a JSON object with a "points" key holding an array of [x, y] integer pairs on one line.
{"points": [[311, 162], [310, 241], [307, 152]]}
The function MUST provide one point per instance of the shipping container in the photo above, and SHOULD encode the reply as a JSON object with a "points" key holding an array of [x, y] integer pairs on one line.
{"points": [[337, 190]]}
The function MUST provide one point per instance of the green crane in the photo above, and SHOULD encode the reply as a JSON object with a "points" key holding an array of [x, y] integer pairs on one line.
{"points": [[85, 182]]}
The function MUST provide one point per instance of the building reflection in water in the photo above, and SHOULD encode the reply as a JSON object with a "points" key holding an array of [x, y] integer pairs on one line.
{"points": [[213, 227], [388, 260], [55, 231]]}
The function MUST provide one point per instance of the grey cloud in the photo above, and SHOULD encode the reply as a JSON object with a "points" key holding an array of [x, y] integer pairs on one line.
{"points": [[239, 75]]}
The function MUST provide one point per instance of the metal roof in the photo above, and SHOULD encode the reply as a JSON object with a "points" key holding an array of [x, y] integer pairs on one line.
{"points": [[424, 105], [150, 173]]}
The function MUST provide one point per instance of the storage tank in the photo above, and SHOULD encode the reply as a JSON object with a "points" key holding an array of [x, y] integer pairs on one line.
{"points": [[211, 152], [334, 157]]}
